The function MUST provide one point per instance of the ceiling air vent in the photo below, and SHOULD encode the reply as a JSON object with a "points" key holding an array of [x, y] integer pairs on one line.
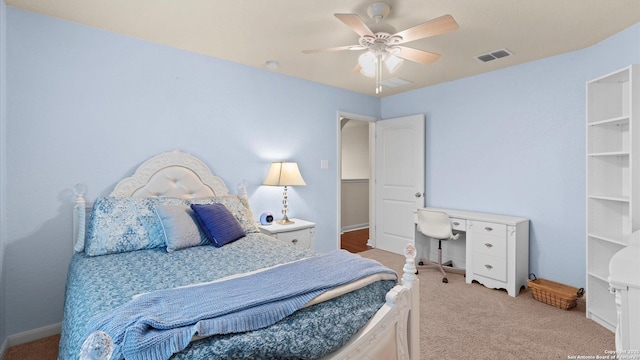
{"points": [[494, 55], [395, 82]]}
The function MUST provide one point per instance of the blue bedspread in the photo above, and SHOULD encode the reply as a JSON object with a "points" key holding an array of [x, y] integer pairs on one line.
{"points": [[102, 283], [157, 324]]}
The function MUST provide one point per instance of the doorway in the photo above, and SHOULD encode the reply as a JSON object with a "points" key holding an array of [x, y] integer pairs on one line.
{"points": [[397, 169], [354, 185]]}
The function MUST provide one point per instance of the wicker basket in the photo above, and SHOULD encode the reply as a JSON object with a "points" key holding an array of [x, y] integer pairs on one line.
{"points": [[553, 293]]}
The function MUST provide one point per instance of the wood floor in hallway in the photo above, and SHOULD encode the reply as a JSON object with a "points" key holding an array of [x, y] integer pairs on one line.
{"points": [[355, 241]]}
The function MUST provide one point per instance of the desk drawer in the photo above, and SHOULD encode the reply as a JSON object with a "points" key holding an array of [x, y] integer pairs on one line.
{"points": [[488, 238], [493, 245], [490, 266], [482, 227], [458, 224]]}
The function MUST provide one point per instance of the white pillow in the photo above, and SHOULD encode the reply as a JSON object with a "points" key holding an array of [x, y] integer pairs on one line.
{"points": [[179, 227]]}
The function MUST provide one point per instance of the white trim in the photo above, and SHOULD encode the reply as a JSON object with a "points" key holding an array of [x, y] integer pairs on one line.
{"points": [[354, 227], [4, 348], [3, 169], [355, 180], [34, 334], [372, 185], [371, 120]]}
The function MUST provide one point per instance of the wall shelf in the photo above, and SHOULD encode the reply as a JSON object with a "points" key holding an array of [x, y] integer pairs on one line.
{"points": [[613, 181]]}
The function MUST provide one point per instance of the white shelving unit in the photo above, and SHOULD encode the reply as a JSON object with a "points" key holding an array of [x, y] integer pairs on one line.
{"points": [[613, 181]]}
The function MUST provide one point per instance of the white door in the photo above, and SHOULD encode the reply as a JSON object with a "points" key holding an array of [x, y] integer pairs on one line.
{"points": [[399, 176]]}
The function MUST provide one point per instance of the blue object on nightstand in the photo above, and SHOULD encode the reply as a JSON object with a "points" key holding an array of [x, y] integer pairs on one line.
{"points": [[266, 218]]}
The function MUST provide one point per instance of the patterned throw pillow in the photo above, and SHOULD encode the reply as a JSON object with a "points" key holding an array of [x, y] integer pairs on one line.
{"points": [[125, 224]]}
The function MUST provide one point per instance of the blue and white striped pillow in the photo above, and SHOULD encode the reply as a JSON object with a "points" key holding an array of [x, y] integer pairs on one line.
{"points": [[180, 228]]}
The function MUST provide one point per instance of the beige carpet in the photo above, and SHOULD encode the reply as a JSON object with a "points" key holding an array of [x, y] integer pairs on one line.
{"points": [[469, 321]]}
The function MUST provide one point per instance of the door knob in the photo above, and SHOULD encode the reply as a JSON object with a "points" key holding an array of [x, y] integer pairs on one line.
{"points": [[418, 194]]}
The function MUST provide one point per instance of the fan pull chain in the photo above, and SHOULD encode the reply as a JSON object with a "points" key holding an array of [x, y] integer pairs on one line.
{"points": [[379, 74]]}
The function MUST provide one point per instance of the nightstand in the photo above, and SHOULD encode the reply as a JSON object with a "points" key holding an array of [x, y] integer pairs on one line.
{"points": [[301, 233]]}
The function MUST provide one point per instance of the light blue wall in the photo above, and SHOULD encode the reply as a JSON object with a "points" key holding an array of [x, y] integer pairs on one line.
{"points": [[3, 98], [88, 106], [513, 142]]}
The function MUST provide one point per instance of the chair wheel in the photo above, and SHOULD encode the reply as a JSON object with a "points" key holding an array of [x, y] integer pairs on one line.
{"points": [[416, 272], [445, 280], [421, 263]]}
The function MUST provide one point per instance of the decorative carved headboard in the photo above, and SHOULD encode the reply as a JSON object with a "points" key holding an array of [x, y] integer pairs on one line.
{"points": [[171, 174]]}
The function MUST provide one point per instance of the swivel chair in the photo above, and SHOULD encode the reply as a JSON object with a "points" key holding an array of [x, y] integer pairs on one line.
{"points": [[436, 225]]}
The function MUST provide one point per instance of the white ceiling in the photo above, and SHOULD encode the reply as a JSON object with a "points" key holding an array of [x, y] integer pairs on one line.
{"points": [[252, 32]]}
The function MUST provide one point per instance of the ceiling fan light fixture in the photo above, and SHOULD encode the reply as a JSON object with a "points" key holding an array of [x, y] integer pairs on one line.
{"points": [[384, 46], [392, 63], [368, 64]]}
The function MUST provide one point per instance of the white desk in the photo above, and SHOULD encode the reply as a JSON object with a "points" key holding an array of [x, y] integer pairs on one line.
{"points": [[497, 248]]}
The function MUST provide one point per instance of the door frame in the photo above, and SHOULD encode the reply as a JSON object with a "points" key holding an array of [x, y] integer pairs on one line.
{"points": [[372, 123]]}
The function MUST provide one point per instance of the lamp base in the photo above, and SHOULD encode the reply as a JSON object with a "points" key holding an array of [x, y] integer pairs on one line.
{"points": [[285, 221]]}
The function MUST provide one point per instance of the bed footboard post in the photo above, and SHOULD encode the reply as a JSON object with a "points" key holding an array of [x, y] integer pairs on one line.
{"points": [[79, 217], [410, 280]]}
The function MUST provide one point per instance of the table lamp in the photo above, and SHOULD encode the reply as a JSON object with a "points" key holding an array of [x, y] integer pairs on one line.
{"points": [[284, 174]]}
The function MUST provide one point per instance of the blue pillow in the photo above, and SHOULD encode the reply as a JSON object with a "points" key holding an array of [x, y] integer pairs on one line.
{"points": [[220, 226], [179, 227], [238, 206]]}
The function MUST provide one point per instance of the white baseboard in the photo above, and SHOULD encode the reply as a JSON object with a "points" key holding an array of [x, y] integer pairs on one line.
{"points": [[354, 227], [3, 348], [35, 334]]}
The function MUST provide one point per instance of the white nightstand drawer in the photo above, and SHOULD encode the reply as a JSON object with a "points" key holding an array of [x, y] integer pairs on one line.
{"points": [[490, 266], [300, 233], [298, 238]]}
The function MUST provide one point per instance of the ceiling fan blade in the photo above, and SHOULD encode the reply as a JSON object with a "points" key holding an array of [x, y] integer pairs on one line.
{"points": [[337, 48], [419, 56], [356, 24], [441, 25]]}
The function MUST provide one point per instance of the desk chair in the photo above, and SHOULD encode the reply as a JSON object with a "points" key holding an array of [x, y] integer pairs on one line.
{"points": [[436, 225]]}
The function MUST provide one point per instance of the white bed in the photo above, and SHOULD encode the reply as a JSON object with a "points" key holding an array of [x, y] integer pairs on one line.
{"points": [[391, 333]]}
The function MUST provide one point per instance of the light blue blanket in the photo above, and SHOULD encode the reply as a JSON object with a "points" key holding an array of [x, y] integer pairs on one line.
{"points": [[158, 324]]}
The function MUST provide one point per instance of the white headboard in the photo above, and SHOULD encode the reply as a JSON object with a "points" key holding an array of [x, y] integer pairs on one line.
{"points": [[170, 174]]}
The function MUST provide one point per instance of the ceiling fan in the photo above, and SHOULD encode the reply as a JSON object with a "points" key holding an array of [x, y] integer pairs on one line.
{"points": [[384, 47]]}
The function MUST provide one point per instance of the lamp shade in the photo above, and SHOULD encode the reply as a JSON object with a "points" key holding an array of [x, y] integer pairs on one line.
{"points": [[368, 64], [392, 63], [284, 174]]}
